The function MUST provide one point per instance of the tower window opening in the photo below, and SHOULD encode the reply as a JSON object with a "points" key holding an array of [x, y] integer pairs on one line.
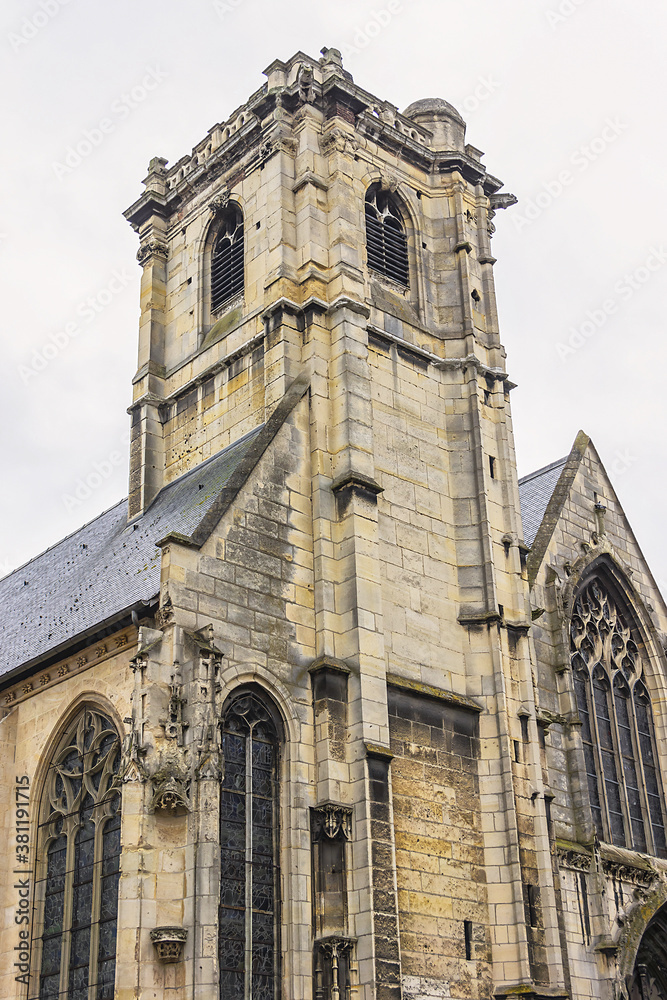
{"points": [[227, 259], [386, 241]]}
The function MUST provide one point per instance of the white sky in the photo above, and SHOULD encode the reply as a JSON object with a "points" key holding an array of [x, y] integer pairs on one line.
{"points": [[538, 81]]}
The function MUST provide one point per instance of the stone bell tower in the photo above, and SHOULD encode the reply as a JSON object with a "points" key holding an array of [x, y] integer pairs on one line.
{"points": [[321, 241]]}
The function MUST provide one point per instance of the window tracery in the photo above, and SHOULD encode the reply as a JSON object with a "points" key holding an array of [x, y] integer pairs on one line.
{"points": [[249, 909], [79, 842], [386, 240], [617, 731], [227, 263]]}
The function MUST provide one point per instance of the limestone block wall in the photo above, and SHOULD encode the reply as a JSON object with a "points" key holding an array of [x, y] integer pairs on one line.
{"points": [[443, 913], [214, 413]]}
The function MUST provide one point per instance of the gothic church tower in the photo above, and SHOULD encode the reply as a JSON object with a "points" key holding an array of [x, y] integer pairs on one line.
{"points": [[323, 261], [307, 716]]}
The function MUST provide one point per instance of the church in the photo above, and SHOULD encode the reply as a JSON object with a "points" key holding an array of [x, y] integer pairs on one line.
{"points": [[332, 706]]}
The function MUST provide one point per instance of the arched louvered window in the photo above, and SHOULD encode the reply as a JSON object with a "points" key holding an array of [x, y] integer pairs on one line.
{"points": [[616, 725], [386, 242], [227, 258], [79, 852], [249, 912]]}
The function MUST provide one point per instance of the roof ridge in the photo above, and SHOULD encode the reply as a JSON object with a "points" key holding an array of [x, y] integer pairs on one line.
{"points": [[545, 468], [143, 513], [65, 538]]}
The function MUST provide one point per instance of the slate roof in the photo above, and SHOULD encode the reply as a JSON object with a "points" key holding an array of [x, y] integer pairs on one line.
{"points": [[106, 567], [535, 491]]}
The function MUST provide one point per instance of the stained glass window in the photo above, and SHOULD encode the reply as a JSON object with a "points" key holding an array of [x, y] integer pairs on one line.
{"points": [[79, 847], [249, 859], [618, 739]]}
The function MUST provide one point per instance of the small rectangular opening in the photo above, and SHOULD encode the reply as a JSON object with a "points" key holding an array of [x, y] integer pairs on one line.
{"points": [[547, 810], [492, 466], [532, 905], [524, 728], [467, 937], [517, 751]]}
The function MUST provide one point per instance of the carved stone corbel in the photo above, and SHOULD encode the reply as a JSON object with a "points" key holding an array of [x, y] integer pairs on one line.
{"points": [[332, 822], [171, 785], [220, 202], [169, 943], [150, 249]]}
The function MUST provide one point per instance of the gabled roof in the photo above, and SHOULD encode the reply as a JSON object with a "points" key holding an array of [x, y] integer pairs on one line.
{"points": [[89, 579], [107, 566], [535, 491]]}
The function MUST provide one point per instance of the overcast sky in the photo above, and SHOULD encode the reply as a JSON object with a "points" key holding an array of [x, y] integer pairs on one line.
{"points": [[566, 98]]}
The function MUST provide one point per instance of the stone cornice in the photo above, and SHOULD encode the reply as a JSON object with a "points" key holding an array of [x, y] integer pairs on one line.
{"points": [[266, 123], [428, 691]]}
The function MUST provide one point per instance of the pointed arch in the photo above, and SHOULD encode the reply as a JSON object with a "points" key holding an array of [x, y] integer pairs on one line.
{"points": [[386, 235], [78, 860], [227, 257], [607, 658], [221, 253]]}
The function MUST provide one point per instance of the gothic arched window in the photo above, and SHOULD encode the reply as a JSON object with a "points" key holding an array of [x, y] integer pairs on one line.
{"points": [[79, 854], [616, 725], [249, 913], [386, 241], [227, 258]]}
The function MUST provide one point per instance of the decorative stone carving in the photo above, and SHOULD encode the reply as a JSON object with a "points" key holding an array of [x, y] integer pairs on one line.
{"points": [[169, 943], [304, 79], [165, 613], [220, 202], [174, 724], [337, 140], [266, 150], [170, 787], [575, 860], [497, 202], [152, 248], [332, 821], [335, 965], [502, 200], [287, 144]]}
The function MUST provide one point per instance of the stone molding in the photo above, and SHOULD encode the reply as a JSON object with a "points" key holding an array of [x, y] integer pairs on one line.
{"points": [[44, 678]]}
